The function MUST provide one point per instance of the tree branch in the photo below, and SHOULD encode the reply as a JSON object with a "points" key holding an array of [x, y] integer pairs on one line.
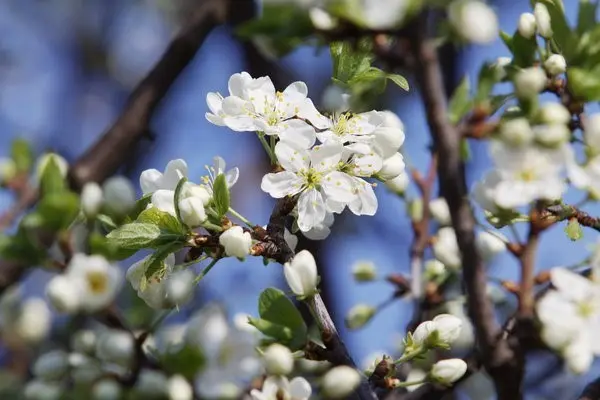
{"points": [[591, 391], [499, 359]]}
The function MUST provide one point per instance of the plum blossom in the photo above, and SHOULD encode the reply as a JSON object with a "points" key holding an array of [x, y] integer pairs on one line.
{"points": [[279, 387]]}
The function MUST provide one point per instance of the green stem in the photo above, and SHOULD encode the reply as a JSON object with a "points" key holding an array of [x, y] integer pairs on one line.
{"points": [[159, 320], [263, 141], [240, 217], [206, 270], [212, 227], [410, 355], [406, 384]]}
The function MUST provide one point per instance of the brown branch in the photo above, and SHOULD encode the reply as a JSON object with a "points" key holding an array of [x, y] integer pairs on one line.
{"points": [[564, 212], [108, 153], [499, 358], [591, 391], [26, 194]]}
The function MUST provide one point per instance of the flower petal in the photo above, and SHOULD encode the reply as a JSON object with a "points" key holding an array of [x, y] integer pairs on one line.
{"points": [[164, 200], [150, 180], [326, 156], [300, 388], [299, 133], [281, 184], [311, 210], [291, 156]]}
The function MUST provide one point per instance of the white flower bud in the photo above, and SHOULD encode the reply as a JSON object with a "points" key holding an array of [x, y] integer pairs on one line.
{"points": [[301, 274], [179, 287], [60, 162], [8, 169], [433, 269], [489, 245], [578, 357], [445, 248], [278, 360], [392, 167], [40, 390], [399, 183], [591, 133], [415, 209], [84, 369], [448, 327], [106, 389], [500, 67], [340, 382], [529, 82], [151, 384], [364, 271], [389, 135], [555, 64], [192, 211], [421, 334], [475, 21], [115, 346], [34, 321], [91, 199], [321, 19], [516, 132], [449, 371], [236, 242], [527, 26], [198, 191], [119, 195], [554, 113], [542, 17], [84, 341], [336, 99], [440, 211], [178, 388], [359, 315], [52, 365], [552, 135]]}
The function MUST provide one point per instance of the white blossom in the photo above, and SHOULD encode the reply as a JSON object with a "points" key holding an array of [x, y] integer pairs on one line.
{"points": [[119, 195], [301, 274], [276, 387], [442, 331], [321, 230], [542, 17], [115, 346], [152, 180], [434, 269], [392, 167], [335, 99], [34, 320], [591, 133], [578, 357], [527, 26], [448, 371], [278, 360], [474, 21], [489, 245], [340, 382], [516, 132], [398, 184], [500, 67], [359, 315], [554, 135], [64, 296], [554, 113], [51, 366], [445, 248], [178, 388], [236, 242], [484, 191], [191, 210], [440, 211], [555, 64], [91, 199], [529, 82]]}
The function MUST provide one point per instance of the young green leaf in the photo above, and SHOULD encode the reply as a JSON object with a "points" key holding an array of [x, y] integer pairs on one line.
{"points": [[178, 189], [22, 155], [156, 262], [163, 220], [350, 60], [524, 50], [186, 361], [399, 80], [275, 307], [221, 197], [135, 236], [58, 210], [52, 180], [139, 206], [460, 103], [273, 330]]}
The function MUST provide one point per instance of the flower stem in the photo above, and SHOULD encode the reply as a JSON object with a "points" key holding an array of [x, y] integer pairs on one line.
{"points": [[206, 270], [240, 217], [406, 384], [212, 227], [268, 149], [411, 354]]}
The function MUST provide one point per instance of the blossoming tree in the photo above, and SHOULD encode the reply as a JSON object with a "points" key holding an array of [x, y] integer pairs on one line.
{"points": [[82, 224]]}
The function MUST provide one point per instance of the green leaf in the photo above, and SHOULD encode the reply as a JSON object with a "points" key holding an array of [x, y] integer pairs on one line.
{"points": [[563, 36], [22, 155], [507, 40], [156, 262], [465, 150], [275, 307], [108, 224], [135, 236], [100, 245], [573, 230], [178, 190], [584, 84], [524, 50], [187, 361], [58, 210], [399, 80], [350, 60], [52, 180], [488, 77], [221, 198], [20, 248], [280, 332], [162, 219], [586, 17], [460, 103], [140, 206]]}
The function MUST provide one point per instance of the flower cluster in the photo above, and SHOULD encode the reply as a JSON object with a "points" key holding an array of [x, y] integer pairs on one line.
{"points": [[327, 175]]}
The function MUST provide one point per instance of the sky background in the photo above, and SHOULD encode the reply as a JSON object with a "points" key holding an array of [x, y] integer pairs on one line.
{"points": [[63, 98]]}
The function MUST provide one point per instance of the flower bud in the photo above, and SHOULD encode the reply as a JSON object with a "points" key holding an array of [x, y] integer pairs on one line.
{"points": [[60, 162], [578, 357], [34, 320], [178, 388], [440, 211], [106, 389], [119, 195], [64, 295], [364, 271], [392, 167], [448, 371], [278, 360], [115, 346], [591, 132], [192, 211], [415, 210], [554, 113], [179, 287], [552, 135], [389, 135], [91, 199], [475, 21], [40, 390], [529, 82], [340, 382], [52, 365], [421, 335], [489, 245], [236, 242], [527, 25], [516, 132], [500, 67], [84, 369], [555, 64], [84, 341], [542, 17], [199, 191], [399, 183], [448, 327], [445, 248], [359, 315], [8, 169], [440, 332], [321, 19], [301, 274], [433, 269]]}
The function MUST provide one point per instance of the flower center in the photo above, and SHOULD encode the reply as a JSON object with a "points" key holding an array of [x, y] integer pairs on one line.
{"points": [[527, 175], [586, 309], [97, 282], [312, 178]]}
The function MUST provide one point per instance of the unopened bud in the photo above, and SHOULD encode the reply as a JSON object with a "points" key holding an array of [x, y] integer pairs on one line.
{"points": [[555, 64], [236, 242], [359, 315], [91, 199], [552, 135], [542, 17], [554, 113], [192, 211], [527, 25], [278, 360], [449, 371], [364, 271], [119, 195], [529, 82], [52, 365], [399, 183], [440, 211], [415, 210], [340, 382], [392, 167]]}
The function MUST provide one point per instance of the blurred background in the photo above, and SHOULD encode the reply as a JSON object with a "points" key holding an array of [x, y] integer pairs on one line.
{"points": [[67, 66]]}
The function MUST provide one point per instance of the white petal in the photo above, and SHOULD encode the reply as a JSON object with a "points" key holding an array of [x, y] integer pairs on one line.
{"points": [[175, 170], [309, 112], [240, 123], [299, 133], [298, 88], [212, 118], [311, 210], [281, 184], [232, 176], [337, 186], [164, 200], [326, 156], [571, 285], [238, 82], [150, 180], [300, 388], [214, 102], [366, 201], [234, 106], [292, 157]]}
